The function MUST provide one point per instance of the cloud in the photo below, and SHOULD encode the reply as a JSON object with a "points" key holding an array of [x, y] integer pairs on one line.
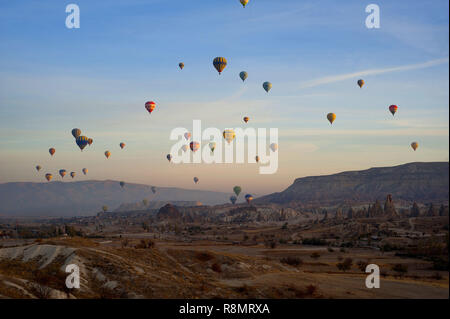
{"points": [[343, 77]]}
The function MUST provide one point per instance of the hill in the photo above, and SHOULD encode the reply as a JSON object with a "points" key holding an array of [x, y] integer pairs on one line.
{"points": [[420, 182], [87, 197]]}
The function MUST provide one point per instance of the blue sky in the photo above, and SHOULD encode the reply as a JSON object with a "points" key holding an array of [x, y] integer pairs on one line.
{"points": [[98, 77]]}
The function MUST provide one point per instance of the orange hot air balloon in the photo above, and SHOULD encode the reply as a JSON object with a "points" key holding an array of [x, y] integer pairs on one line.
{"points": [[48, 177], [107, 154], [257, 158], [414, 145], [62, 172], [90, 141], [52, 151], [150, 106], [220, 63], [122, 145], [187, 136], [360, 83], [393, 109], [181, 65], [331, 117], [72, 174], [194, 146], [246, 118]]}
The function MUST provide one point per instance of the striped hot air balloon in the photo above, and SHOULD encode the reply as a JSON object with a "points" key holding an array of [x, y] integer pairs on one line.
{"points": [[220, 63], [82, 141]]}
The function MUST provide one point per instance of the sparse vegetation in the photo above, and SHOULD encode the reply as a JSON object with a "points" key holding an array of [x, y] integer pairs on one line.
{"points": [[345, 265], [292, 261]]}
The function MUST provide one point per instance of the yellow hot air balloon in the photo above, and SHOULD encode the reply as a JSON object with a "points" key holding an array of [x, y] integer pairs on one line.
{"points": [[220, 64], [274, 147], [414, 145], [229, 135], [107, 154], [331, 117], [244, 2], [48, 177], [246, 118], [257, 158], [85, 171]]}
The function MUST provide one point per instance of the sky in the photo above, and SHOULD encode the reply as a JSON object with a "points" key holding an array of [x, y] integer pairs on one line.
{"points": [[126, 52]]}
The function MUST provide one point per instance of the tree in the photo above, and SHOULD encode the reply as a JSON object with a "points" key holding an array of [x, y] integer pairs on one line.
{"points": [[315, 255]]}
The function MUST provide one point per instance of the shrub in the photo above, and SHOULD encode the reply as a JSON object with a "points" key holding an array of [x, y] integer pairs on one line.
{"points": [[362, 265], [330, 249], [401, 269], [311, 289], [143, 244], [314, 241], [315, 255], [216, 267], [345, 265], [204, 256], [292, 261]]}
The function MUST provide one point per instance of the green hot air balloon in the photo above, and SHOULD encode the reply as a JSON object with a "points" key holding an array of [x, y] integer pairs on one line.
{"points": [[237, 190]]}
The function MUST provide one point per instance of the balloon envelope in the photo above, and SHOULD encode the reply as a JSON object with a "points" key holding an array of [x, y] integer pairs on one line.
{"points": [[246, 118], [62, 172], [331, 117], [248, 198], [85, 170], [48, 177], [267, 86], [237, 190], [414, 145], [243, 75], [52, 151], [72, 174], [274, 147], [122, 184], [229, 135], [194, 146], [212, 146], [107, 154], [360, 83], [38, 167], [196, 180], [184, 148], [393, 109], [82, 141], [76, 132], [220, 63], [153, 189], [187, 136], [169, 157], [150, 106], [90, 141], [233, 199], [257, 158], [181, 65], [122, 145]]}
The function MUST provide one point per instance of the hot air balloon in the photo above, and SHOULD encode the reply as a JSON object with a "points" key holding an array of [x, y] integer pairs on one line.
{"points": [[267, 86], [248, 198], [76, 132], [62, 172], [72, 174], [181, 65], [233, 199], [244, 2], [48, 177], [220, 64], [169, 157], [243, 75], [246, 118], [122, 184], [331, 117], [194, 146], [153, 189], [52, 151], [360, 83], [90, 141], [196, 180], [187, 136], [274, 147], [107, 154], [229, 135], [122, 145], [257, 158], [150, 106], [414, 145], [85, 170], [393, 109], [184, 148], [237, 190], [212, 146], [38, 167], [82, 141]]}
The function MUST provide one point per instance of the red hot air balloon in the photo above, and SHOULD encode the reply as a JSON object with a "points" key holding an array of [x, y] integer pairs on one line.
{"points": [[51, 151], [194, 146], [393, 109], [150, 106]]}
